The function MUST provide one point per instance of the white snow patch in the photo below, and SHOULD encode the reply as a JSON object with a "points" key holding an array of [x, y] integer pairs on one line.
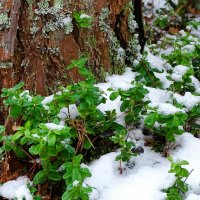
{"points": [[188, 48], [143, 181], [178, 72], [121, 85], [155, 62], [189, 148], [195, 82], [47, 100], [73, 112], [188, 100], [16, 189], [163, 78], [158, 95], [128, 77], [53, 126], [167, 109], [85, 16]]}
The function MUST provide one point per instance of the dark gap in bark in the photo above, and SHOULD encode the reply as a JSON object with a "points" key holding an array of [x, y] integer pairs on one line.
{"points": [[76, 32], [117, 30], [139, 19]]}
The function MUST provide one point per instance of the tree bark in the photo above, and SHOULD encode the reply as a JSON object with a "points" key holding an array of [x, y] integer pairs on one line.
{"points": [[39, 58]]}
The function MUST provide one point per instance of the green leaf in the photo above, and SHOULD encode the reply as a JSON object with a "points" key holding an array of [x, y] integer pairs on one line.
{"points": [[51, 150], [51, 139], [15, 111], [2, 129], [23, 140], [78, 63], [77, 160], [114, 95], [18, 86], [54, 175], [35, 149], [17, 135], [87, 144], [151, 119], [124, 105], [40, 177], [76, 175]]}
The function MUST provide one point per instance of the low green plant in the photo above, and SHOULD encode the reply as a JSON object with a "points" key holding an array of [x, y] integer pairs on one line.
{"points": [[74, 176], [132, 102], [178, 190], [193, 116], [179, 56], [162, 21], [167, 125], [145, 73], [83, 20], [184, 84], [39, 135]]}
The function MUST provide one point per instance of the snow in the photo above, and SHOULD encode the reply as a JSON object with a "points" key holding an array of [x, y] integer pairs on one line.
{"points": [[178, 72], [127, 77], [146, 175], [188, 100], [53, 126], [188, 48], [195, 82], [168, 109], [123, 85], [193, 197], [189, 148], [85, 16], [47, 100], [163, 78], [155, 62], [75, 183], [73, 112], [158, 96], [16, 189], [116, 82]]}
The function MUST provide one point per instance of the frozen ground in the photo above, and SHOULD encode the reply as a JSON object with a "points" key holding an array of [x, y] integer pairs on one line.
{"points": [[144, 176]]}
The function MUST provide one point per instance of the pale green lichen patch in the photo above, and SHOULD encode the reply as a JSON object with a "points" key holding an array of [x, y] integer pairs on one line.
{"points": [[133, 44], [57, 17], [117, 53], [4, 21], [6, 65]]}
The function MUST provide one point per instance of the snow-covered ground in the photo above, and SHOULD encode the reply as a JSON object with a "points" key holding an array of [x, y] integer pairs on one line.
{"points": [[144, 176]]}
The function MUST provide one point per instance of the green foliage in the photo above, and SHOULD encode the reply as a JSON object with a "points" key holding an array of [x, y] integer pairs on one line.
{"points": [[168, 125], [132, 102], [180, 187], [59, 146], [181, 56], [74, 177], [126, 146], [162, 21], [185, 84], [146, 73], [83, 20], [193, 116]]}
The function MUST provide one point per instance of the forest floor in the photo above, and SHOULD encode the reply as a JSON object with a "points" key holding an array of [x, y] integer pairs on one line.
{"points": [[145, 176]]}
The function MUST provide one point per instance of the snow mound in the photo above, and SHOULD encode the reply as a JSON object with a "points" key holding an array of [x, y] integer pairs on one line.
{"points": [[16, 189]]}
